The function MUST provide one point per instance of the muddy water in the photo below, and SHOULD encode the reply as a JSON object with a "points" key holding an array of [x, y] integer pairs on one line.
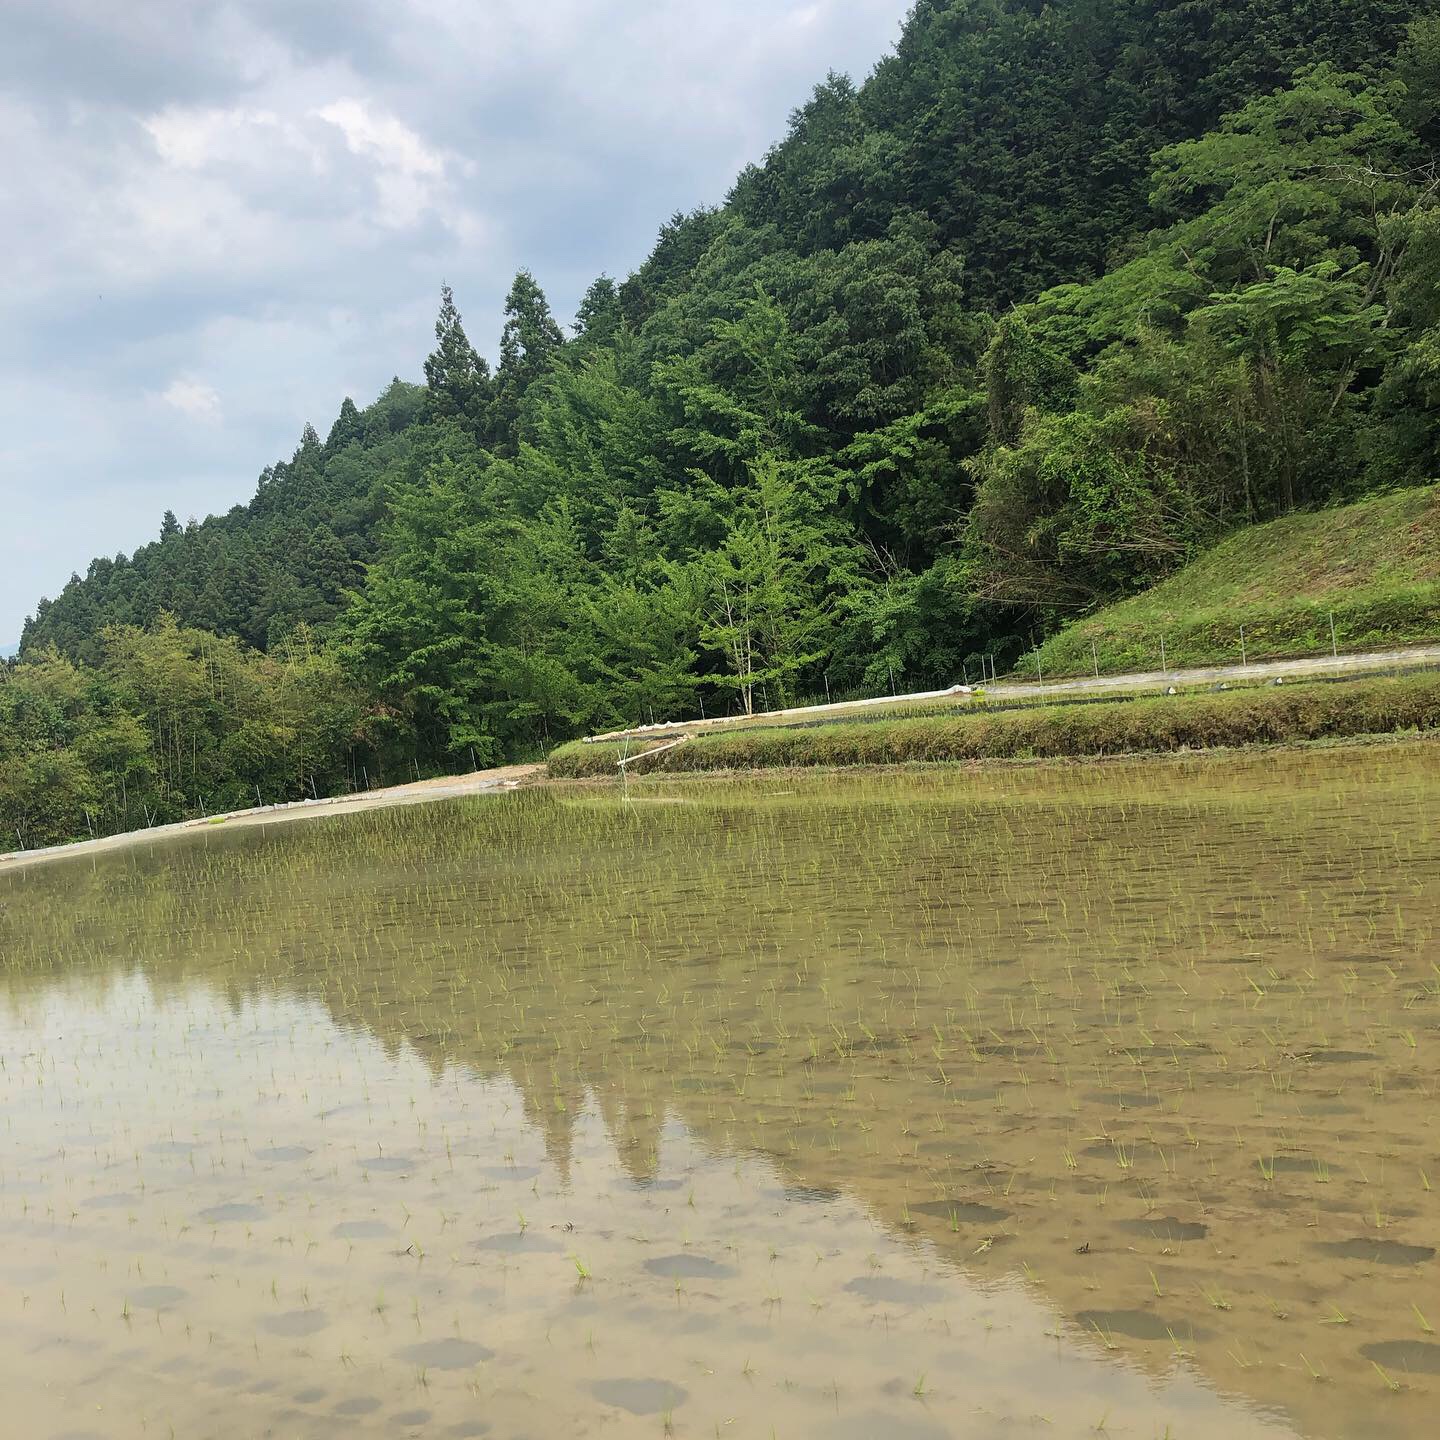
{"points": [[1062, 1102]]}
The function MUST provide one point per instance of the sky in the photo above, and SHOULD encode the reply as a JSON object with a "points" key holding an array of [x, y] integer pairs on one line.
{"points": [[221, 217]]}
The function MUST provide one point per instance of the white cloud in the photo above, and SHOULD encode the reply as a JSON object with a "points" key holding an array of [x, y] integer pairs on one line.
{"points": [[234, 166], [193, 399], [190, 139], [411, 178], [383, 138]]}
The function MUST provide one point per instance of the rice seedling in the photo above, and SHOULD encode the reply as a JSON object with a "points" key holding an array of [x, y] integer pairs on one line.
{"points": [[1391, 1383], [925, 1032]]}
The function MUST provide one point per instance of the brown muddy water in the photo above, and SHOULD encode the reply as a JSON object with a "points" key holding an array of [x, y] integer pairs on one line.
{"points": [[1061, 1102]]}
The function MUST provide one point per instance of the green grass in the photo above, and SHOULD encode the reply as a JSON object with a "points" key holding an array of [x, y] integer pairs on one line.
{"points": [[1375, 564], [1163, 723]]}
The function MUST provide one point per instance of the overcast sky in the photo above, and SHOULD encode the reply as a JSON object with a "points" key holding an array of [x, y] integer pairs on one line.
{"points": [[222, 218]]}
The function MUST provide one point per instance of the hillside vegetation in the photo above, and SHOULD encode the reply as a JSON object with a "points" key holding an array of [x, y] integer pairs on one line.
{"points": [[1058, 298], [1373, 566]]}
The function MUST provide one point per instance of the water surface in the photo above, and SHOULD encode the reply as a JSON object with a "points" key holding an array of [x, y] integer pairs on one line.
{"points": [[1053, 1101]]}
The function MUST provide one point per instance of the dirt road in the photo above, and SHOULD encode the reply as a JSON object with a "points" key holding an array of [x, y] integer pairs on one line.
{"points": [[482, 782], [1415, 657]]}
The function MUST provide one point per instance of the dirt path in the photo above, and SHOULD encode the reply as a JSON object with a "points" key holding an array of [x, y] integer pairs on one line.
{"points": [[1414, 657], [447, 787]]}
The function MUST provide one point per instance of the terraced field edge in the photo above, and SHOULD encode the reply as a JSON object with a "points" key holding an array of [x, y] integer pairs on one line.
{"points": [[1152, 724]]}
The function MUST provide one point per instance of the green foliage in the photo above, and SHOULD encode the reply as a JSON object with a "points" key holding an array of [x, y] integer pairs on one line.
{"points": [[1417, 68], [770, 588], [172, 722], [1254, 359]]}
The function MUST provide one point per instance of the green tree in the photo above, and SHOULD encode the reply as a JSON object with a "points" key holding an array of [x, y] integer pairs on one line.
{"points": [[457, 380], [1303, 337], [773, 583], [1417, 68], [529, 343]]}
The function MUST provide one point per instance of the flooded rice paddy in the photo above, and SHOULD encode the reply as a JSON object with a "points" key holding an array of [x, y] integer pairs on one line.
{"points": [[1061, 1102]]}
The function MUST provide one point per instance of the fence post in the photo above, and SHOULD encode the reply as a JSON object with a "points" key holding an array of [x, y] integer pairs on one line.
{"points": [[1242, 645], [1095, 657], [1334, 648], [1164, 668]]}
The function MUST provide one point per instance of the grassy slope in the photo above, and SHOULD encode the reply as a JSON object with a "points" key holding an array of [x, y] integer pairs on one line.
{"points": [[1376, 564], [1266, 715]]}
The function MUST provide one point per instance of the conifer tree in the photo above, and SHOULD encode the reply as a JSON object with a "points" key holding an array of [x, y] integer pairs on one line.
{"points": [[528, 344], [456, 378]]}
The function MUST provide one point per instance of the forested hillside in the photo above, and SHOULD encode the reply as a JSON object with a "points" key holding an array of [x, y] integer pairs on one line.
{"points": [[1061, 295], [285, 559]]}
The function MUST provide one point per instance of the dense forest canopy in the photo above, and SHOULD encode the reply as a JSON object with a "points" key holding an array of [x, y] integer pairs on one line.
{"points": [[1062, 293]]}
